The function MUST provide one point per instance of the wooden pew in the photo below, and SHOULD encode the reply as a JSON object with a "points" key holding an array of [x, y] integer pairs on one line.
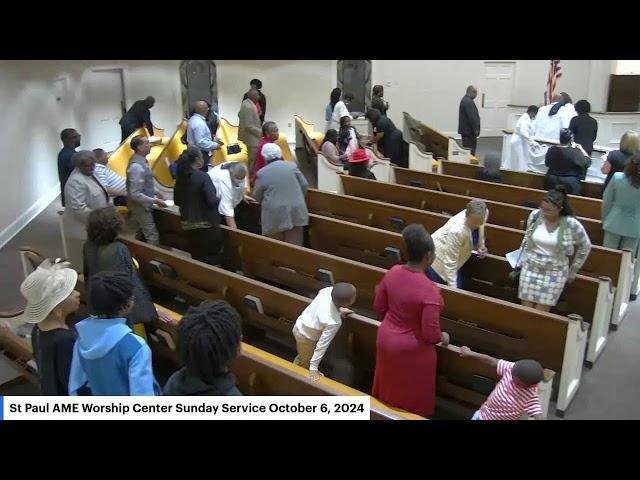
{"points": [[607, 263], [485, 324], [513, 177], [429, 140], [303, 126], [504, 214], [119, 159], [618, 265], [258, 372], [281, 308], [229, 134], [172, 150], [583, 206], [295, 268]]}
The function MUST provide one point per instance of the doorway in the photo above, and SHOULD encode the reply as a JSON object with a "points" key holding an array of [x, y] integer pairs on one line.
{"points": [[104, 92], [198, 82], [354, 76], [495, 94]]}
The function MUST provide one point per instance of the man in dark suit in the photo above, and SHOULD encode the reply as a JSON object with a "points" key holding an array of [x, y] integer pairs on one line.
{"points": [[70, 141], [136, 117], [469, 120], [262, 100]]}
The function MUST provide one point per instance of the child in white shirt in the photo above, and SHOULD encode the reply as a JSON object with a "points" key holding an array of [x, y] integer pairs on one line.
{"points": [[319, 323]]}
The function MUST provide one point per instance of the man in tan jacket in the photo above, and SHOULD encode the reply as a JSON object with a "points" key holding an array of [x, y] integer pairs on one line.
{"points": [[250, 127]]}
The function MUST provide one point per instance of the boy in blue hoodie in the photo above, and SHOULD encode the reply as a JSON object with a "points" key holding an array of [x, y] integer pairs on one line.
{"points": [[108, 358]]}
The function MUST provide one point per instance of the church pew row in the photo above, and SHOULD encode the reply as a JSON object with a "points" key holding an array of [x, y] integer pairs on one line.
{"points": [[509, 331], [229, 134], [170, 153], [617, 265], [328, 175], [504, 214], [372, 249], [119, 159], [582, 206], [257, 372], [266, 370], [514, 177], [308, 128], [486, 324], [431, 141], [277, 313]]}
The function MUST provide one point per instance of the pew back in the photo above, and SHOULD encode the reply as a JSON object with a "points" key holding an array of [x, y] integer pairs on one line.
{"points": [[514, 177], [582, 206], [504, 214]]}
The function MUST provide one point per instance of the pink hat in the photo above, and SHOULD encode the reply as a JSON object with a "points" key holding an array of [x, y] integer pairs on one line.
{"points": [[359, 156]]}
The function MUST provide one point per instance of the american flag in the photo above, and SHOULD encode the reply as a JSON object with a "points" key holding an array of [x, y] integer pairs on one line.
{"points": [[555, 72]]}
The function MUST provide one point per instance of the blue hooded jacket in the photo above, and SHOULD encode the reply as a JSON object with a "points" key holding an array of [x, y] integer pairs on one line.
{"points": [[110, 359]]}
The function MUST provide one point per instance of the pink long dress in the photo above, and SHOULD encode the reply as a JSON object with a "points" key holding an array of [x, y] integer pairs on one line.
{"points": [[406, 361]]}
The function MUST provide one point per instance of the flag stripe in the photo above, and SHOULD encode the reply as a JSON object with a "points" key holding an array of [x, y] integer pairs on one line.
{"points": [[555, 72]]}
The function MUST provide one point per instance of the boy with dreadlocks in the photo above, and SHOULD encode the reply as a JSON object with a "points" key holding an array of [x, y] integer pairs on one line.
{"points": [[209, 337], [108, 358]]}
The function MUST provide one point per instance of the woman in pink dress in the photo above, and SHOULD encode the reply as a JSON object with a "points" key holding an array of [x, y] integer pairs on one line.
{"points": [[410, 304]]}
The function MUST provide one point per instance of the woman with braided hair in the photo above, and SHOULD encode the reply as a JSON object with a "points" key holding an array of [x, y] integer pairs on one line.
{"points": [[621, 212], [209, 337]]}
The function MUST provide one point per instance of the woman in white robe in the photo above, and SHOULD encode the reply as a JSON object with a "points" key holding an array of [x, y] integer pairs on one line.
{"points": [[521, 141], [549, 121]]}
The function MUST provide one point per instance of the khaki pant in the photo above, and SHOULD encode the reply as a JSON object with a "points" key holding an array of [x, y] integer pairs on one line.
{"points": [[305, 349], [295, 236], [143, 219], [252, 152]]}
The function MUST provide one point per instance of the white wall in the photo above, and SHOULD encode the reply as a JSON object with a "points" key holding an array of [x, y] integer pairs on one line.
{"points": [[430, 90], [32, 119], [627, 67], [291, 86]]}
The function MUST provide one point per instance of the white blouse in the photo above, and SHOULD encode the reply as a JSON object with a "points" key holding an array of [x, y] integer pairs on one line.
{"points": [[545, 243]]}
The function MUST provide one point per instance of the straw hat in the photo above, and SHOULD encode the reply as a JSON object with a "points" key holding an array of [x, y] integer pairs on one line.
{"points": [[45, 288]]}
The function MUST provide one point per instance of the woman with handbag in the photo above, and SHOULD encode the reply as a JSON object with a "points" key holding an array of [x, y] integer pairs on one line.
{"points": [[553, 236]]}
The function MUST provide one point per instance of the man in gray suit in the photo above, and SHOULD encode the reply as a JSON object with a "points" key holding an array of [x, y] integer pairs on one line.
{"points": [[83, 193], [141, 191], [281, 188], [250, 127]]}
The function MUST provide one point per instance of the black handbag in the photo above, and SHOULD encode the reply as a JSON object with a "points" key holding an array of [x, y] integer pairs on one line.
{"points": [[514, 276], [233, 149]]}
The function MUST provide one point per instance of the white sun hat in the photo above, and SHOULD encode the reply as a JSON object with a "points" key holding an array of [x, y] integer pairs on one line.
{"points": [[45, 288]]}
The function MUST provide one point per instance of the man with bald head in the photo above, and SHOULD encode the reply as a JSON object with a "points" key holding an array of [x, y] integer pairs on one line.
{"points": [[250, 126], [199, 134], [469, 120]]}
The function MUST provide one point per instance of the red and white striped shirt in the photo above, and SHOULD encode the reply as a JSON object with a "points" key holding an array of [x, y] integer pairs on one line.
{"points": [[509, 401]]}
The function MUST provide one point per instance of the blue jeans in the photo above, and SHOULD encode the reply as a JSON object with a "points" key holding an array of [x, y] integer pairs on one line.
{"points": [[476, 416], [431, 273]]}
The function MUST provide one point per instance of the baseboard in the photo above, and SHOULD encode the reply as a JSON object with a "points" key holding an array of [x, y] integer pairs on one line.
{"points": [[32, 212], [487, 134]]}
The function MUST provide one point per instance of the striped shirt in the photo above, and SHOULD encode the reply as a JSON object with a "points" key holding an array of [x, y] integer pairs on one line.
{"points": [[109, 178], [509, 401]]}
